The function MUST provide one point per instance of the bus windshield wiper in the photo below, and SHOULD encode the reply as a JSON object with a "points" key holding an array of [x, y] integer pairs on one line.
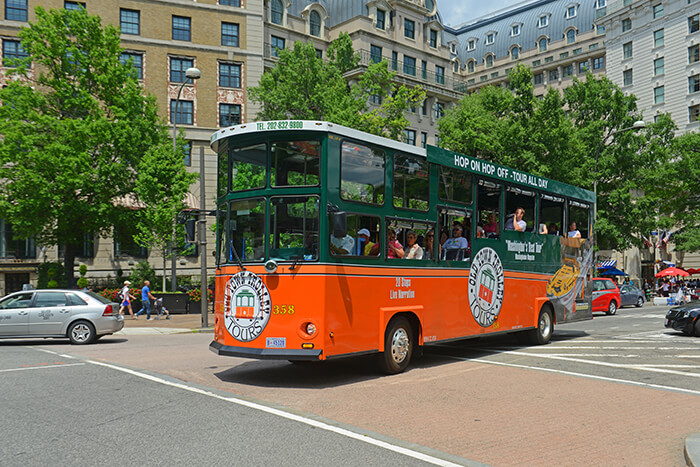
{"points": [[296, 260]]}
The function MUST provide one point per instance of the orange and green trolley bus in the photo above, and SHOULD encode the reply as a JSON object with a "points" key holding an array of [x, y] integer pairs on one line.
{"points": [[332, 242]]}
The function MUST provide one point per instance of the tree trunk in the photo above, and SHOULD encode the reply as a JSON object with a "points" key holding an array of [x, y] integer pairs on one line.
{"points": [[69, 264]]}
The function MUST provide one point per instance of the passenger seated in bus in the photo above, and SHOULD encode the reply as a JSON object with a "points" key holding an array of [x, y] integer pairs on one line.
{"points": [[515, 221], [480, 232], [491, 227], [543, 229], [553, 229], [368, 247], [457, 241], [394, 248], [341, 245], [429, 245], [573, 232], [413, 250]]}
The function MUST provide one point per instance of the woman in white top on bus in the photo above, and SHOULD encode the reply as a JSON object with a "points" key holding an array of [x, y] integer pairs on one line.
{"points": [[573, 232], [413, 250]]}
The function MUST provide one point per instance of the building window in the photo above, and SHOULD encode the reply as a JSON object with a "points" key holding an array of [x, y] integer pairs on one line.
{"points": [[626, 24], [276, 12], [694, 84], [627, 77], [515, 30], [375, 99], [548, 59], [570, 36], [187, 153], [563, 55], [424, 69], [16, 10], [598, 63], [599, 29], [593, 46], [658, 38], [659, 66], [577, 51], [553, 75], [315, 23], [489, 61], [694, 113], [543, 21], [600, 3], [538, 78], [439, 74], [627, 50], [567, 70], [409, 65], [12, 247], [471, 45], [515, 53], [483, 78], [230, 2], [439, 110], [375, 54], [136, 62], [276, 44], [470, 66], [694, 53], [395, 61], [409, 28], [381, 16], [694, 24], [433, 38], [130, 21], [543, 44], [490, 37], [494, 75], [178, 66], [455, 67], [182, 27], [319, 54], [229, 75], [185, 112], [229, 34], [423, 139], [571, 11], [409, 137], [12, 53], [582, 67], [68, 5], [229, 115], [658, 10], [659, 95]]}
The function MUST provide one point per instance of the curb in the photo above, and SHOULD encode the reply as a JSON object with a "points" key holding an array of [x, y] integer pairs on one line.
{"points": [[692, 450], [161, 331]]}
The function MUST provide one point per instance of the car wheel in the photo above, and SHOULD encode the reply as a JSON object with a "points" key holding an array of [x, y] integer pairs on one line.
{"points": [[697, 327], [612, 308], [640, 302], [542, 334], [81, 332], [398, 346]]}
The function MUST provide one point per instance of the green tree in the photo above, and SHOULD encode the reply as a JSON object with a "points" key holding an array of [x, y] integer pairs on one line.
{"points": [[73, 131], [161, 185], [303, 86]]}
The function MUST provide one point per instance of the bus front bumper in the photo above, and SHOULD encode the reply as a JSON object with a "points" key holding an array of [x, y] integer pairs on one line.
{"points": [[268, 354]]}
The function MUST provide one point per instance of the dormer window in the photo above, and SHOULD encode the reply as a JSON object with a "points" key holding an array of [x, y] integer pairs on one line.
{"points": [[571, 11], [453, 48], [471, 44], [381, 19], [515, 30], [600, 4], [315, 23], [515, 53], [489, 61], [543, 21], [433, 38], [470, 66], [542, 43], [490, 38]]}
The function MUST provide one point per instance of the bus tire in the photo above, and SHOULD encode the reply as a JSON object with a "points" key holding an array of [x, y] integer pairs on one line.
{"points": [[542, 334], [398, 346]]}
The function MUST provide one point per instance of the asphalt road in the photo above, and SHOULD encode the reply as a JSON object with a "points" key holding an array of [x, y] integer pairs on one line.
{"points": [[617, 390]]}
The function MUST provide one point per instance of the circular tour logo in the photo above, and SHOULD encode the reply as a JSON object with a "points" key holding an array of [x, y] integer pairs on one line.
{"points": [[486, 286], [247, 306]]}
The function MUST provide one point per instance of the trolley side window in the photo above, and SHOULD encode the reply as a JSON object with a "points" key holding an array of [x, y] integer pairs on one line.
{"points": [[294, 224], [355, 235], [248, 167], [578, 213], [552, 213], [411, 182], [455, 185], [295, 163], [362, 173]]}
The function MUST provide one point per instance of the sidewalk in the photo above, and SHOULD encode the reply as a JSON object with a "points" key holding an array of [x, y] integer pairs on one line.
{"points": [[177, 324]]}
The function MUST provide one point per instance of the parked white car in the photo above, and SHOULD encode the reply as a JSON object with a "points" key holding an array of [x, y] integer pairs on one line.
{"points": [[82, 317]]}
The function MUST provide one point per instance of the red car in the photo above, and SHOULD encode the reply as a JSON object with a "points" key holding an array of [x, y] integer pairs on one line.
{"points": [[606, 296]]}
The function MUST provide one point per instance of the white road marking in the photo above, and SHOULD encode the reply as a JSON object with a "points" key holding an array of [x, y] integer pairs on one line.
{"points": [[42, 367], [572, 373], [53, 353], [582, 347], [290, 416]]}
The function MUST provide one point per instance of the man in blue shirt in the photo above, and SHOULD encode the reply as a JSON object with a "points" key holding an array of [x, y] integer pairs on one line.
{"points": [[146, 298]]}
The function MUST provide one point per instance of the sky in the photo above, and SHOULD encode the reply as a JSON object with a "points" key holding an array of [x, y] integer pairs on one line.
{"points": [[456, 12]]}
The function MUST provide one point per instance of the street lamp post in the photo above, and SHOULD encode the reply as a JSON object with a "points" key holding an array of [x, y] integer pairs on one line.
{"points": [[190, 74], [638, 125]]}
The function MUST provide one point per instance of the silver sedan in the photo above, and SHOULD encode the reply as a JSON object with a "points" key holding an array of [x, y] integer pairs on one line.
{"points": [[82, 317]]}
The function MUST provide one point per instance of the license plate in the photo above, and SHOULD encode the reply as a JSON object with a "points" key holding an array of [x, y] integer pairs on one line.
{"points": [[276, 342]]}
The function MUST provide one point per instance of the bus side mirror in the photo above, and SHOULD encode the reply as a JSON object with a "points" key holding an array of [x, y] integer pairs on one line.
{"points": [[340, 224]]}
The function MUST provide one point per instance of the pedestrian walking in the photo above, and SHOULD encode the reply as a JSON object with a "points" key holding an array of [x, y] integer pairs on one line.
{"points": [[146, 298], [126, 299]]}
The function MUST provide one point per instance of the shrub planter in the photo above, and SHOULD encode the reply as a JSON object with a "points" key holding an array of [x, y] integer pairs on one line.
{"points": [[177, 303]]}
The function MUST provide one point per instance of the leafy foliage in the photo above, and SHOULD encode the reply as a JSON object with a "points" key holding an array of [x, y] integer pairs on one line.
{"points": [[303, 86], [73, 132]]}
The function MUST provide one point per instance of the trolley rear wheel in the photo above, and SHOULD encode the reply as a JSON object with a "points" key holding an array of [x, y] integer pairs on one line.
{"points": [[398, 346]]}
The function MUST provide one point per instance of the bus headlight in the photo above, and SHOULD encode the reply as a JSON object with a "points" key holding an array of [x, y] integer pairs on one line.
{"points": [[310, 329], [271, 266]]}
